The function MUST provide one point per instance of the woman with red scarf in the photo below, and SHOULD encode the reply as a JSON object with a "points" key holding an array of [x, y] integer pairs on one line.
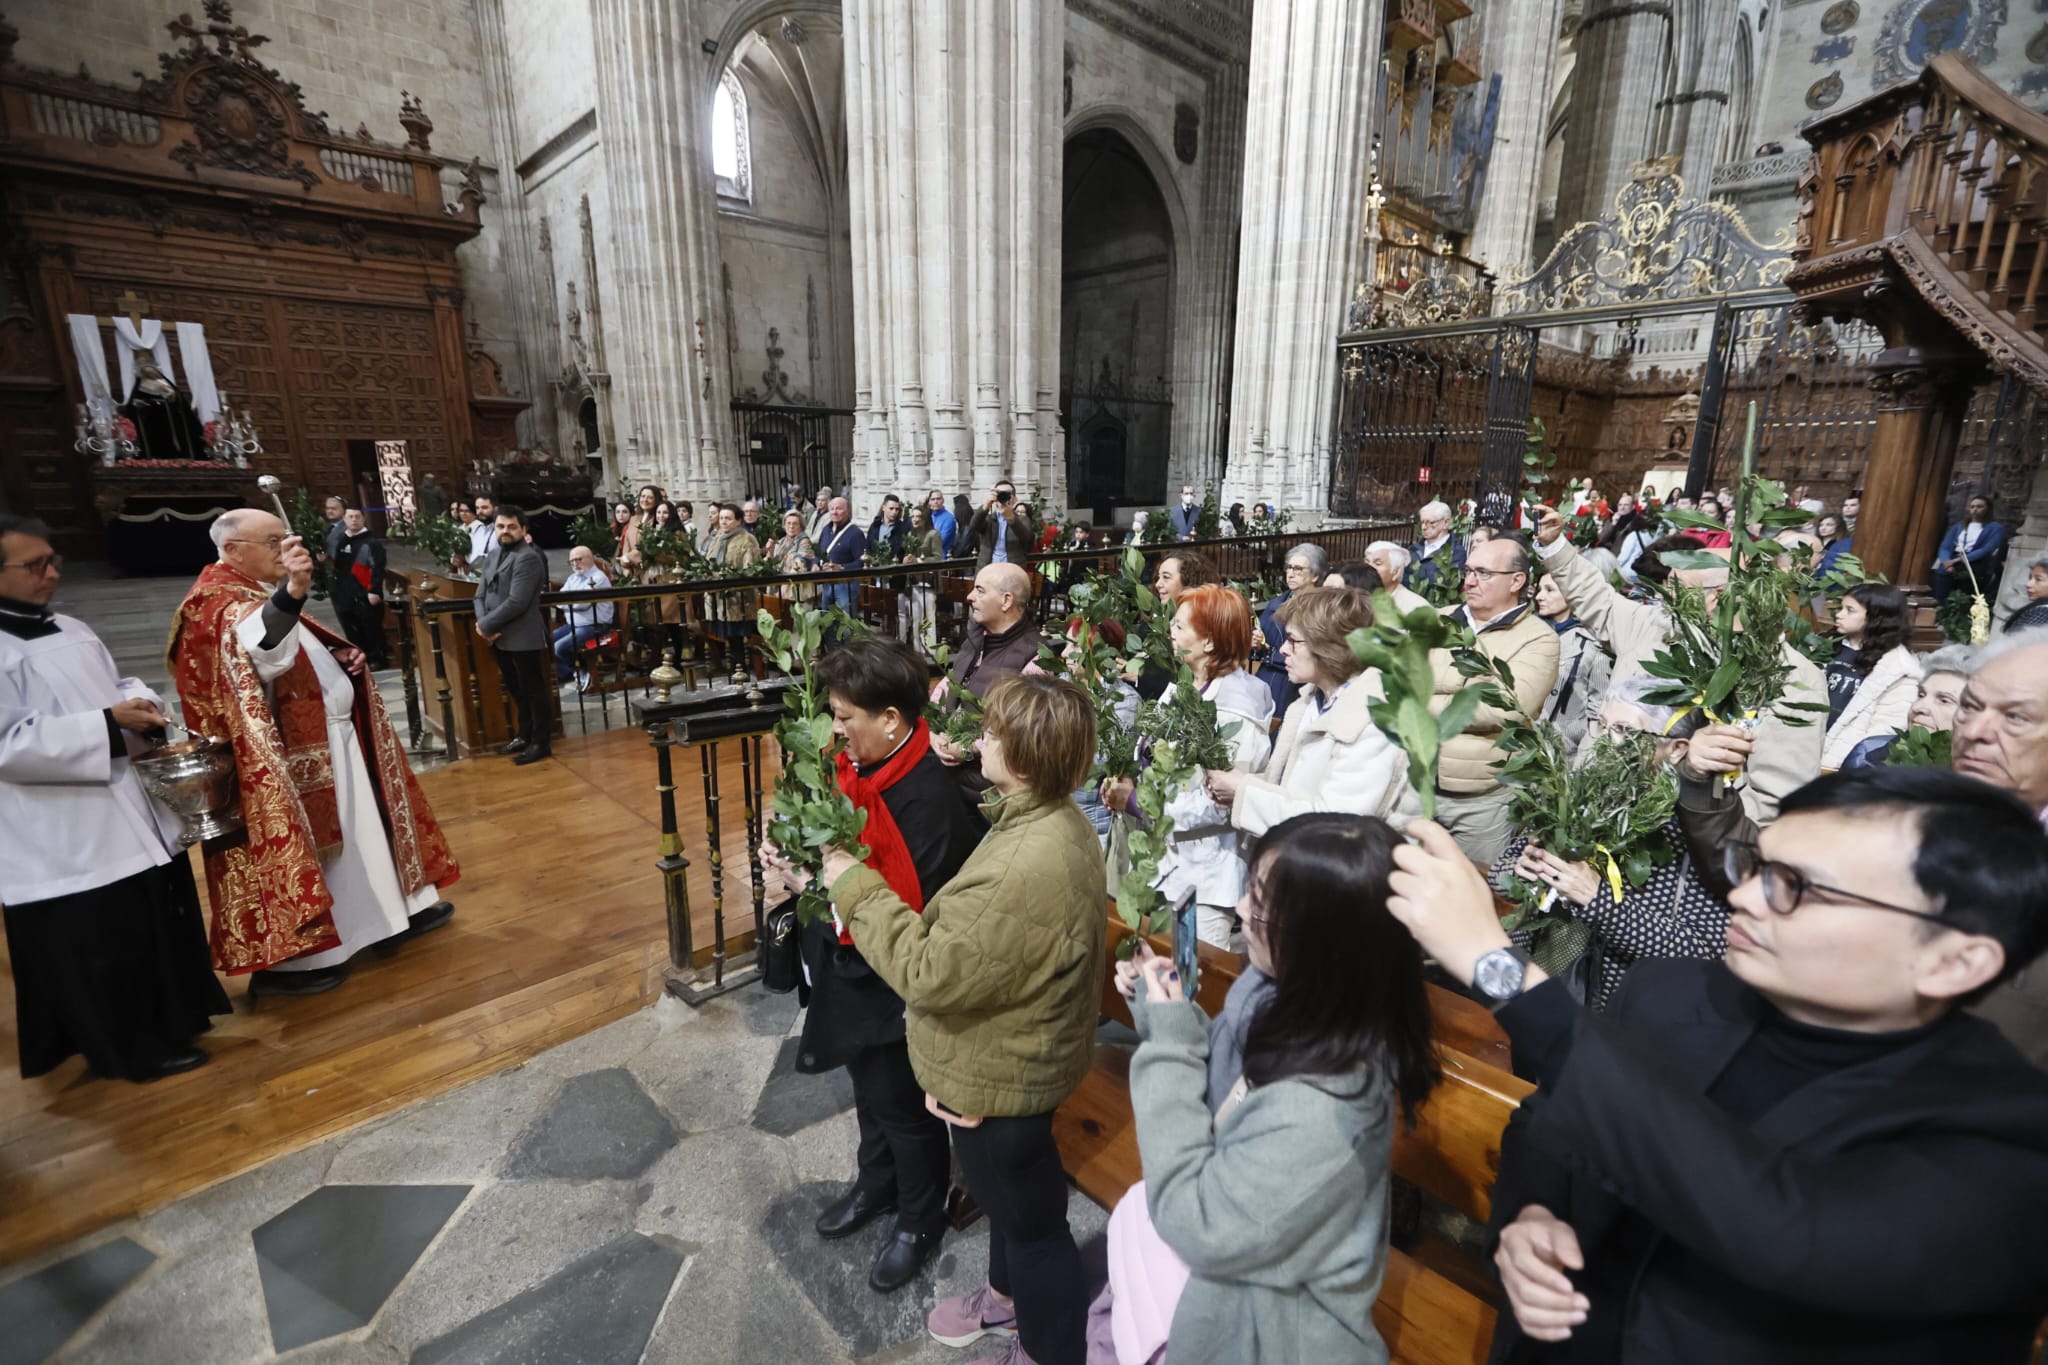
{"points": [[919, 832]]}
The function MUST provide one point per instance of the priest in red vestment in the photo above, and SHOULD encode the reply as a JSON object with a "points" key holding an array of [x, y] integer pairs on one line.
{"points": [[339, 848]]}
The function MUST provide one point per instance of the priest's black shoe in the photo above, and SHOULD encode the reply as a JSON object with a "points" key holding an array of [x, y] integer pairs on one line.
{"points": [[512, 746], [184, 1059], [848, 1215], [530, 756], [903, 1255], [427, 920], [294, 983]]}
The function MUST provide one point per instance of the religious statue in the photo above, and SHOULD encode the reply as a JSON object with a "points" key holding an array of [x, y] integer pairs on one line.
{"points": [[166, 427]]}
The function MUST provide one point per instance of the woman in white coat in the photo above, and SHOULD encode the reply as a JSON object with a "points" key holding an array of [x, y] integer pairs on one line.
{"points": [[1874, 678], [1212, 633], [1330, 756]]}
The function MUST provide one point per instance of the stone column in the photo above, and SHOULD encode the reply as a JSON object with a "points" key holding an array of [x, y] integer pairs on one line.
{"points": [[1202, 312], [953, 131], [1527, 50], [532, 301], [654, 115], [1313, 81], [1700, 113], [1616, 85]]}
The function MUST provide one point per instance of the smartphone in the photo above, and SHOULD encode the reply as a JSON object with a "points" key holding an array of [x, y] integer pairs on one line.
{"points": [[948, 1114], [1186, 955]]}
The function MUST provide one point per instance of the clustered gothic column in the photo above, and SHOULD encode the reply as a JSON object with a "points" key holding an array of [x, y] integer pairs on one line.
{"points": [[1202, 312], [654, 113], [1700, 113], [953, 129], [1313, 81], [1616, 85], [1526, 47]]}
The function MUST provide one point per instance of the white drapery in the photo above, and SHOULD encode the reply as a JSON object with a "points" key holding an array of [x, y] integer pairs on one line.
{"points": [[198, 370], [128, 339], [92, 363]]}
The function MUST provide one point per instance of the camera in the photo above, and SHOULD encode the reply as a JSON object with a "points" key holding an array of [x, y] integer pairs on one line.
{"points": [[1004, 495]]}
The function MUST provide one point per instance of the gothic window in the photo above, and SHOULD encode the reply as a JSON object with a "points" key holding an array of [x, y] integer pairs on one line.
{"points": [[731, 158]]}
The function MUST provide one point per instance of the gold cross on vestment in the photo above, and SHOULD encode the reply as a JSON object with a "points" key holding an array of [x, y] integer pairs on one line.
{"points": [[134, 308]]}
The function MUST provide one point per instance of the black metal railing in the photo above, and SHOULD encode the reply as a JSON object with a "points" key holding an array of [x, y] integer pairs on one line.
{"points": [[706, 628]]}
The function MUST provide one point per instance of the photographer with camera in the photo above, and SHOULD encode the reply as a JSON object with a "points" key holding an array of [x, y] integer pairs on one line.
{"points": [[999, 534]]}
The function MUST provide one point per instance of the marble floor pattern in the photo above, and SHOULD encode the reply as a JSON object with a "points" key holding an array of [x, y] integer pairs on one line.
{"points": [[641, 1195]]}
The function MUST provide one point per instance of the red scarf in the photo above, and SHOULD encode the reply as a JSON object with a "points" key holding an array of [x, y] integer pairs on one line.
{"points": [[887, 853]]}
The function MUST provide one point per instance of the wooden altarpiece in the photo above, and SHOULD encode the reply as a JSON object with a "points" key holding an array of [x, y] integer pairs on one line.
{"points": [[322, 265]]}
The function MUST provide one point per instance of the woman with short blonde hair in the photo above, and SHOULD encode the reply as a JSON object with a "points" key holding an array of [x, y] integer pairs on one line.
{"points": [[1330, 756], [1001, 979]]}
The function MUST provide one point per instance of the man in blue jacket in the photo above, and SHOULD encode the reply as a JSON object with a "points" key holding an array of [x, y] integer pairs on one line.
{"points": [[840, 544], [1979, 542]]}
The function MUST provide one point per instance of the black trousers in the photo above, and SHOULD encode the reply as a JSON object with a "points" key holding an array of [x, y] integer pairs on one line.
{"points": [[903, 1149], [363, 624], [527, 679], [1013, 1171]]}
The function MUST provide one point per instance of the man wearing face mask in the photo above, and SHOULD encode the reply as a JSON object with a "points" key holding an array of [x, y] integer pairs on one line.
{"points": [[1185, 513]]}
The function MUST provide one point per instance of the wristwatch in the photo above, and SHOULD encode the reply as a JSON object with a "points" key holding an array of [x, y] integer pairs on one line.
{"points": [[1499, 975]]}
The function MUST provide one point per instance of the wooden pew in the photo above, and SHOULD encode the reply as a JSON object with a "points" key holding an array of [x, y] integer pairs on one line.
{"points": [[1452, 1151]]}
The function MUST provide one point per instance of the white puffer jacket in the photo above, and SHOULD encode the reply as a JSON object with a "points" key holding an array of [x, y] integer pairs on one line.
{"points": [[1879, 707], [1214, 866]]}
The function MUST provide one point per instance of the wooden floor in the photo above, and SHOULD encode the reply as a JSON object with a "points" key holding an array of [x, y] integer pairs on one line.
{"points": [[559, 928]]}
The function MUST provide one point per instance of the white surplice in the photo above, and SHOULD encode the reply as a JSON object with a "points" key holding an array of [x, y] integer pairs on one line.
{"points": [[369, 904], [72, 816]]}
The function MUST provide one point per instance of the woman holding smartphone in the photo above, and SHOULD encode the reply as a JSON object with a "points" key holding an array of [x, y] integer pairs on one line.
{"points": [[1001, 979], [1259, 1231]]}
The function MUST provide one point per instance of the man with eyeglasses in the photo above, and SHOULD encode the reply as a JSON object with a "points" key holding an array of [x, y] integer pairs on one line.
{"points": [[105, 933], [1471, 801], [339, 848], [1807, 1151], [1433, 523]]}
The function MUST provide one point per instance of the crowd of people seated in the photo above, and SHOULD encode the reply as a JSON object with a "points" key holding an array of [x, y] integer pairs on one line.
{"points": [[1791, 1085]]}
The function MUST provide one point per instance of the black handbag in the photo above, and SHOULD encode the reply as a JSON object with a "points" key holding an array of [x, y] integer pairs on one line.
{"points": [[782, 968]]}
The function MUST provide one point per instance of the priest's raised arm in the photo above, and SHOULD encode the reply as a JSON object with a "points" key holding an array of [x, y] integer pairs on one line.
{"points": [[340, 848]]}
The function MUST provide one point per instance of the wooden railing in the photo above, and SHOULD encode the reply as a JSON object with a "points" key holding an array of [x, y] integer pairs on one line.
{"points": [[1948, 176]]}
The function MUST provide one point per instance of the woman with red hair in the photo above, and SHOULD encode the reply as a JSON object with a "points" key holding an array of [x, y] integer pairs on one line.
{"points": [[1212, 634]]}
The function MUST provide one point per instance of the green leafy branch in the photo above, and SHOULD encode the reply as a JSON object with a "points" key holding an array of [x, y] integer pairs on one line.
{"points": [[1400, 648], [1179, 737], [1919, 748], [810, 812], [1611, 812]]}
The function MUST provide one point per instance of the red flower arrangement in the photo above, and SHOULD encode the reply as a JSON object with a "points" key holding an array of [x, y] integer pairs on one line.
{"points": [[124, 428], [211, 431]]}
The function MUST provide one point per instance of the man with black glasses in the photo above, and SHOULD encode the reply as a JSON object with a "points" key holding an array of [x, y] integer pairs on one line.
{"points": [[1807, 1151]]}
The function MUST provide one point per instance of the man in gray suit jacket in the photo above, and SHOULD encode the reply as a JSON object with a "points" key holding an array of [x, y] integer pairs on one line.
{"points": [[508, 614]]}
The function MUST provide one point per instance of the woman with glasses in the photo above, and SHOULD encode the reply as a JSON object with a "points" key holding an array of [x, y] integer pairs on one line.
{"points": [[1305, 567], [1329, 756], [1258, 1232], [1671, 915]]}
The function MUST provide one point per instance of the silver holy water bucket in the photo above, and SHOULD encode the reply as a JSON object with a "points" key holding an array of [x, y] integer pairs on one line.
{"points": [[195, 778]]}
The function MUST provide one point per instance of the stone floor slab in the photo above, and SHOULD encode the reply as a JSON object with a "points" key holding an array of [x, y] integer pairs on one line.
{"points": [[330, 1261], [768, 1014], [834, 1275], [791, 1101], [459, 1137], [42, 1311], [599, 1311], [204, 1307], [602, 1126]]}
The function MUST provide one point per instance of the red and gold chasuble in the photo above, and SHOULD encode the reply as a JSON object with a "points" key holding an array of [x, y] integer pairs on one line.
{"points": [[270, 901]]}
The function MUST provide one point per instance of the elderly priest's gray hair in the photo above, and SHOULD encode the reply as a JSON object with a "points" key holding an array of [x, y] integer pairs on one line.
{"points": [[227, 524]]}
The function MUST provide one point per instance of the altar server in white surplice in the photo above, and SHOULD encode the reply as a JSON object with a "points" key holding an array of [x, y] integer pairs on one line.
{"points": [[104, 927]]}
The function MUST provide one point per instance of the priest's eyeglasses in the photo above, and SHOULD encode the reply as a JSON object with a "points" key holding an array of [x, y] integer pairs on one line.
{"points": [[1786, 888], [274, 542], [38, 566]]}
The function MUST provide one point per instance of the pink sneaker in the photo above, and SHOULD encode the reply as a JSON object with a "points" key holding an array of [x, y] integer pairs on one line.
{"points": [[966, 1318]]}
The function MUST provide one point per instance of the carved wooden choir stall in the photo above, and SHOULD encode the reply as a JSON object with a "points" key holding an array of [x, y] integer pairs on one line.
{"points": [[322, 266]]}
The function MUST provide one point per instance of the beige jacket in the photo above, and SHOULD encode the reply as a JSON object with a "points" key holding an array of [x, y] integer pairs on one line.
{"points": [[1880, 706], [1787, 757], [1469, 765]]}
